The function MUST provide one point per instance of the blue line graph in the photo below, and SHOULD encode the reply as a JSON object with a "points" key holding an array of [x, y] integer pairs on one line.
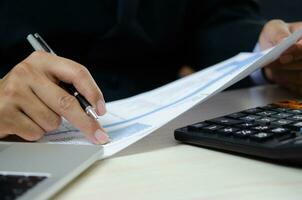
{"points": [[127, 131], [233, 67]]}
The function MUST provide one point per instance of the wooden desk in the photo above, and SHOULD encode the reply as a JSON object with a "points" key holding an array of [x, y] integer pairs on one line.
{"points": [[158, 167]]}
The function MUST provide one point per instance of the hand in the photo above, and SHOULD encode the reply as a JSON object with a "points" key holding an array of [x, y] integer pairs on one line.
{"points": [[287, 71], [32, 103]]}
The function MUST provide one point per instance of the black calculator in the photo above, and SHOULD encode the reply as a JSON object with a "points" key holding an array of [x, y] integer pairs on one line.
{"points": [[272, 132]]}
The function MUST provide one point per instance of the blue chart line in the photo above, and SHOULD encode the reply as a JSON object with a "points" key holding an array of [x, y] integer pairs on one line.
{"points": [[127, 131], [233, 66], [62, 132]]}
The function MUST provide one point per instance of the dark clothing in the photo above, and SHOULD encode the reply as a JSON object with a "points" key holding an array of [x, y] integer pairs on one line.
{"points": [[130, 46]]}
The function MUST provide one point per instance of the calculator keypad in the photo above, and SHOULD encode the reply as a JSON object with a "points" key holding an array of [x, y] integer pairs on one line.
{"points": [[273, 131], [259, 124]]}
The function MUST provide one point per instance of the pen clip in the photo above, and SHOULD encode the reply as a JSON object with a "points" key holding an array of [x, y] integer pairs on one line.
{"points": [[43, 43]]}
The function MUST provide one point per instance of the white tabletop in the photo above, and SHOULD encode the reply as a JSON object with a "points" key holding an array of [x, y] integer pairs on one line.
{"points": [[158, 167]]}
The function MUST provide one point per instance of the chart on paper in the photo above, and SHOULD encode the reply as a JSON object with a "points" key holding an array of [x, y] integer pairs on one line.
{"points": [[131, 119]]}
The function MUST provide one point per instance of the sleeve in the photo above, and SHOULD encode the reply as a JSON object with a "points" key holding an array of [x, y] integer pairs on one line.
{"points": [[258, 76], [222, 29]]}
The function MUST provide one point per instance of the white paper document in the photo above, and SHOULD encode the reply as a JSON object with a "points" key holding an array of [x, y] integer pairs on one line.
{"points": [[131, 119]]}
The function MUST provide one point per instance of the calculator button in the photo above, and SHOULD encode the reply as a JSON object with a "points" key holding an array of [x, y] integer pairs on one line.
{"points": [[250, 118], [266, 120], [296, 126], [225, 121], [197, 127], [295, 111], [252, 110], [282, 115], [280, 131], [247, 125], [244, 133], [262, 136], [281, 122], [237, 115], [295, 118], [282, 109], [267, 113], [212, 128], [261, 128], [227, 131]]}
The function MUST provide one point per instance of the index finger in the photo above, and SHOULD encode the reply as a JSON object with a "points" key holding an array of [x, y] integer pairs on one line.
{"points": [[278, 31], [70, 72], [295, 26], [67, 106], [293, 54]]}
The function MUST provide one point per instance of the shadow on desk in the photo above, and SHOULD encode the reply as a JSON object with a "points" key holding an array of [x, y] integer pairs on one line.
{"points": [[221, 104]]}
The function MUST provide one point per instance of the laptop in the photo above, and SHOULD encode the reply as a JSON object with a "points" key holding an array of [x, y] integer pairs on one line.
{"points": [[38, 170]]}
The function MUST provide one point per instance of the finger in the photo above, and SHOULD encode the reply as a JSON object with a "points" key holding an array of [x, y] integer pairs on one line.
{"points": [[25, 127], [297, 52], [40, 113], [295, 26], [277, 65], [278, 31], [294, 53], [273, 33], [287, 77], [70, 72], [293, 66], [67, 106]]}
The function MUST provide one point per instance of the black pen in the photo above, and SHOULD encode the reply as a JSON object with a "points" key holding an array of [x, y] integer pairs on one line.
{"points": [[39, 44]]}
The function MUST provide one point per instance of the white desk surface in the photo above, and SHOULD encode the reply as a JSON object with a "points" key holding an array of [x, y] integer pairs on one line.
{"points": [[158, 167]]}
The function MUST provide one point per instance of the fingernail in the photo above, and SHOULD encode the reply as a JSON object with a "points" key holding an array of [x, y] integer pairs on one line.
{"points": [[101, 137], [101, 107], [286, 59]]}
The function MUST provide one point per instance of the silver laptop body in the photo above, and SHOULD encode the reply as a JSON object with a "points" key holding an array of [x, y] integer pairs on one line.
{"points": [[59, 163]]}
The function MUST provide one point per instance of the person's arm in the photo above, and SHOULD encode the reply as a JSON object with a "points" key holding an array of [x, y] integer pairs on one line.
{"points": [[32, 102]]}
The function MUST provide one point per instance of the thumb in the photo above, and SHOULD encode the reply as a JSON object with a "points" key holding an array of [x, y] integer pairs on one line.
{"points": [[273, 33], [278, 32]]}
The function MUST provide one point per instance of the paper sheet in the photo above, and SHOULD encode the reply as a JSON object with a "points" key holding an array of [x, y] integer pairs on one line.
{"points": [[131, 119]]}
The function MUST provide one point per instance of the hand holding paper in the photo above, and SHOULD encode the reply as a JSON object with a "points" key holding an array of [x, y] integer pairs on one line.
{"points": [[287, 70], [131, 119]]}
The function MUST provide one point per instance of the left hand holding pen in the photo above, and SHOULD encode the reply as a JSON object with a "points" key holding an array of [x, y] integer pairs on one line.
{"points": [[287, 70]]}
